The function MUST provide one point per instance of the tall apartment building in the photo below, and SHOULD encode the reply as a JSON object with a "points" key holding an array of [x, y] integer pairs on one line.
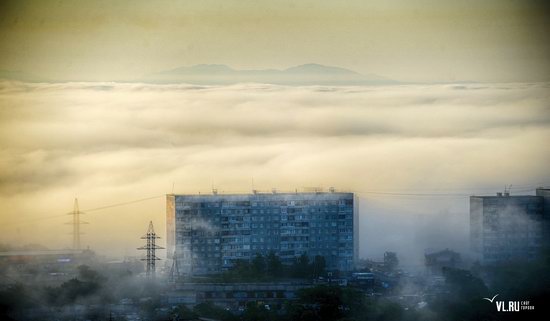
{"points": [[209, 232], [505, 227]]}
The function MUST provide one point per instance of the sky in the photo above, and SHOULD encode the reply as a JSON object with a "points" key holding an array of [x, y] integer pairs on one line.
{"points": [[413, 41], [473, 117]]}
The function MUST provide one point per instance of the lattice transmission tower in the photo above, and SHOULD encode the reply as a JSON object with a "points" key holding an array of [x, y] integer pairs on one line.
{"points": [[76, 222], [151, 247]]}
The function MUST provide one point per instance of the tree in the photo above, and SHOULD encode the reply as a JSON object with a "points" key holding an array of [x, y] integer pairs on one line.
{"points": [[466, 303], [319, 265], [464, 283], [212, 311], [258, 265], [73, 289], [85, 273], [14, 299], [255, 312], [241, 268], [301, 267], [181, 312], [328, 303], [89, 282], [274, 266]]}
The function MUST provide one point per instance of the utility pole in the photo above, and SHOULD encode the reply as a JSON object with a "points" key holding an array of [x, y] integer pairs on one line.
{"points": [[76, 225], [150, 246]]}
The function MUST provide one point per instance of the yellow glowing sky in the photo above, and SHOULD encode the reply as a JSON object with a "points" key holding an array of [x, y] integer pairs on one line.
{"points": [[113, 142], [429, 40], [109, 143]]}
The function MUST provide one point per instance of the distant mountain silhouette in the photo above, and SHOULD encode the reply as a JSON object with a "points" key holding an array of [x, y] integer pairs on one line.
{"points": [[320, 69], [308, 74]]}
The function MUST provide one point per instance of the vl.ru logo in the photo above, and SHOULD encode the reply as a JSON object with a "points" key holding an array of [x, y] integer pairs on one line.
{"points": [[512, 306]]}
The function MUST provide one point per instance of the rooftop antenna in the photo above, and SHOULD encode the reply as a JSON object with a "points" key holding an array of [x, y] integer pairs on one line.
{"points": [[76, 222], [151, 247], [214, 189], [173, 183], [507, 190]]}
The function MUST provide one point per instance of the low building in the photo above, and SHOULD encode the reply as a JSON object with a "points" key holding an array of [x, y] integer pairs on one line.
{"points": [[53, 265], [435, 261], [235, 295]]}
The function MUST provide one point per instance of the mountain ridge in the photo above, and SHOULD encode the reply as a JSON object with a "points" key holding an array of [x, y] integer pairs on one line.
{"points": [[219, 74], [305, 74]]}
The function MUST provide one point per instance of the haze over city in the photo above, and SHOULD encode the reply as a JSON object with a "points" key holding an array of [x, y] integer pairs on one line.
{"points": [[274, 160], [107, 142]]}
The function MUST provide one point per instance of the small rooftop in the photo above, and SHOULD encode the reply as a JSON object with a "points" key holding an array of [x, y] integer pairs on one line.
{"points": [[502, 195], [506, 194]]}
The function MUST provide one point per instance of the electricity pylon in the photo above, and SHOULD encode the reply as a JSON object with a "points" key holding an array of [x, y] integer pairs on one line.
{"points": [[76, 225], [151, 258]]}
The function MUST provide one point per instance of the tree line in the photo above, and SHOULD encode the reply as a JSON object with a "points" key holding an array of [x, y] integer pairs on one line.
{"points": [[270, 267]]}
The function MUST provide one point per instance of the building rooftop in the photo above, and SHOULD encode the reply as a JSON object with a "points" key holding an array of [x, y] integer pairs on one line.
{"points": [[275, 195], [311, 191], [507, 194], [504, 196]]}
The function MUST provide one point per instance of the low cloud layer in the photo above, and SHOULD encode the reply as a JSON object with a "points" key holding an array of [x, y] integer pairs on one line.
{"points": [[108, 143]]}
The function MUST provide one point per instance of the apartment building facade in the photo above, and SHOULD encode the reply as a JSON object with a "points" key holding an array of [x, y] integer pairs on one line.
{"points": [[509, 228], [208, 233]]}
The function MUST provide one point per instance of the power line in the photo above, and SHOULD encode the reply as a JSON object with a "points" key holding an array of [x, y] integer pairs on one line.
{"points": [[87, 210], [516, 189], [124, 203], [444, 190], [395, 193]]}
